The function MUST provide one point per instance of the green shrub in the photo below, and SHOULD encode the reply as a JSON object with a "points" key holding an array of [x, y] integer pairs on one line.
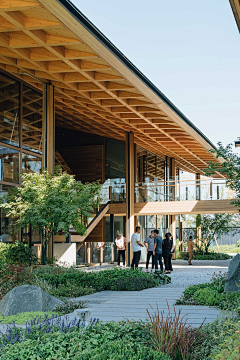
{"points": [[16, 253], [115, 341], [212, 335], [198, 255], [226, 249], [113, 279], [211, 294], [68, 307], [229, 349]]}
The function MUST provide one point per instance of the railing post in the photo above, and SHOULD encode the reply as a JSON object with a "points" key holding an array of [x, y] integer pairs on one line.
{"points": [[198, 187], [211, 190], [110, 193]]}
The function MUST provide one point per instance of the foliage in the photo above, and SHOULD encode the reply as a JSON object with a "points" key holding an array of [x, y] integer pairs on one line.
{"points": [[211, 335], [211, 294], [214, 226], [68, 307], [125, 340], [200, 256], [15, 275], [36, 328], [16, 253], [70, 290], [171, 334], [230, 348], [22, 318], [161, 277], [230, 168], [116, 279], [226, 249], [51, 203]]}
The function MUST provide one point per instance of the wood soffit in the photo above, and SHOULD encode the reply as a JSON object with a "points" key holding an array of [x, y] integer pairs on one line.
{"points": [[91, 95]]}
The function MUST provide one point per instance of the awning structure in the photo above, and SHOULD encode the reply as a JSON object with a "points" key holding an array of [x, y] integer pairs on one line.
{"points": [[97, 89], [235, 4]]}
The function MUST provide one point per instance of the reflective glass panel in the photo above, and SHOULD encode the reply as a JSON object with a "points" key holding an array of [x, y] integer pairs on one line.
{"points": [[32, 119], [9, 165], [31, 163], [7, 233], [9, 110]]}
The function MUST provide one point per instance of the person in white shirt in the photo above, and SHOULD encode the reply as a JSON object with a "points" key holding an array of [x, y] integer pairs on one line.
{"points": [[121, 247], [136, 247]]}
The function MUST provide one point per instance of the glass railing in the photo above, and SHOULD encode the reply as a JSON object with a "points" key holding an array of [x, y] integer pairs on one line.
{"points": [[183, 190]]}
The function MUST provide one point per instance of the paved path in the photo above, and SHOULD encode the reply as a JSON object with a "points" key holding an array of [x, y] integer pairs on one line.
{"points": [[116, 305]]}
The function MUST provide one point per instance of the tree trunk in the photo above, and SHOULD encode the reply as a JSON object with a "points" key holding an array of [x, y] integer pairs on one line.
{"points": [[44, 253]]}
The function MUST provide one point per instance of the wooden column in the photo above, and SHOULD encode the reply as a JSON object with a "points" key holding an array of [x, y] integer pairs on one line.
{"points": [[172, 228], [49, 128], [49, 138], [130, 184]]}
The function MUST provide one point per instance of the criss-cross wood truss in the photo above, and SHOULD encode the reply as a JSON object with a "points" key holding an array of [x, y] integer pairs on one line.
{"points": [[94, 92]]}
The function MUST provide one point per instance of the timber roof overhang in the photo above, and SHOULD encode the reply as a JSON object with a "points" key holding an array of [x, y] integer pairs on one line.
{"points": [[97, 89], [235, 5]]}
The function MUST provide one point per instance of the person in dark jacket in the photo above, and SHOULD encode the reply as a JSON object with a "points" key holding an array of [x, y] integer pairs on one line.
{"points": [[168, 249]]}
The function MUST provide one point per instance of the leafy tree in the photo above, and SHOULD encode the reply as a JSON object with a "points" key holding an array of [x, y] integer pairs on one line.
{"points": [[214, 226], [51, 203], [229, 167]]}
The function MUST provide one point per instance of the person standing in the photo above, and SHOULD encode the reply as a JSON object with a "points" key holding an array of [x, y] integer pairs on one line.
{"points": [[190, 246], [136, 248], [149, 243], [168, 249], [157, 249], [121, 247]]}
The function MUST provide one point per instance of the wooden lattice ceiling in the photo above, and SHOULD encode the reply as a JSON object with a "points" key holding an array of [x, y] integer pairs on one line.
{"points": [[94, 91]]}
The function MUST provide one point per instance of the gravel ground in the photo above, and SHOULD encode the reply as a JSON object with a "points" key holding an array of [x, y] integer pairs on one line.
{"points": [[184, 275], [200, 272]]}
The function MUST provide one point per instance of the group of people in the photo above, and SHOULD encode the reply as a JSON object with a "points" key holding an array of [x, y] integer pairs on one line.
{"points": [[157, 248]]}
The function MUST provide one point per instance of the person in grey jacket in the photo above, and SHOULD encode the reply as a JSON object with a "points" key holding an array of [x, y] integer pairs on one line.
{"points": [[157, 250]]}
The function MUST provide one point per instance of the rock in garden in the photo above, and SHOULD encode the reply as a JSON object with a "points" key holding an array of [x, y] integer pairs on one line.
{"points": [[233, 276], [27, 298]]}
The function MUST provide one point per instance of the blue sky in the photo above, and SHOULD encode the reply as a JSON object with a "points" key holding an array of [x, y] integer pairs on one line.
{"points": [[189, 49]]}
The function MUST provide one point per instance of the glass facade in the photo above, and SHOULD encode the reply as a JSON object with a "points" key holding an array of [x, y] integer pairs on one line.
{"points": [[9, 165], [9, 110], [7, 233], [31, 163], [21, 112], [32, 119]]}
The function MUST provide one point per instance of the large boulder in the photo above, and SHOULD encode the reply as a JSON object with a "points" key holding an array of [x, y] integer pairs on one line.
{"points": [[27, 298], [233, 276]]}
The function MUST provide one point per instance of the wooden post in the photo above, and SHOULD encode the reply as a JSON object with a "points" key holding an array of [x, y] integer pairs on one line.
{"points": [[49, 139], [172, 227], [180, 237], [129, 193]]}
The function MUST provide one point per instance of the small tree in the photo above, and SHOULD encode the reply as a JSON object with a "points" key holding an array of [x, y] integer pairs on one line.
{"points": [[214, 226], [51, 203], [229, 167]]}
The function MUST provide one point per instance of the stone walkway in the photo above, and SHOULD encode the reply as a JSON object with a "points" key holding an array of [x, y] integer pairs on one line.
{"points": [[119, 305], [116, 305]]}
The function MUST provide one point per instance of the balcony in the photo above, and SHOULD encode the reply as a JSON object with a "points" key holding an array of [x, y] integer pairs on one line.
{"points": [[183, 190]]}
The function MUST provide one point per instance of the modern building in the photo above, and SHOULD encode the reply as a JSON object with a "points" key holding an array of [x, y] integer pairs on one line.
{"points": [[68, 96]]}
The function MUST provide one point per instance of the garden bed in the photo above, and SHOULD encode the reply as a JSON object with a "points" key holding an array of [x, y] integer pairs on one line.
{"points": [[211, 294]]}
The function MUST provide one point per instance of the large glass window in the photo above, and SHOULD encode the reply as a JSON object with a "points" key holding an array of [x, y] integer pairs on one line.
{"points": [[9, 110], [32, 119], [9, 165], [7, 233], [115, 159], [31, 163]]}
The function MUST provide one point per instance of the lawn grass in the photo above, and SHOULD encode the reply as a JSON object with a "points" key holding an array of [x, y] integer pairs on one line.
{"points": [[22, 318]]}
